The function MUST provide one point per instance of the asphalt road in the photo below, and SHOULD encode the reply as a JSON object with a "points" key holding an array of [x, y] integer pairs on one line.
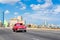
{"points": [[8, 34]]}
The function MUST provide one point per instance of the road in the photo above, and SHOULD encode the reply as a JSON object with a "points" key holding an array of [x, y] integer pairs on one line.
{"points": [[8, 34]]}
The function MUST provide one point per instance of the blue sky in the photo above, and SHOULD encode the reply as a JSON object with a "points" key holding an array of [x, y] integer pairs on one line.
{"points": [[32, 11]]}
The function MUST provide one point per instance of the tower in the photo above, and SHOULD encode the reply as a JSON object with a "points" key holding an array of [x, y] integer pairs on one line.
{"points": [[19, 18], [45, 22]]}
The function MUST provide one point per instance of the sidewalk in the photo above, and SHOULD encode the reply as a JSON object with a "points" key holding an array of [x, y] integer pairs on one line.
{"points": [[1, 27], [44, 29], [37, 29], [5, 28]]}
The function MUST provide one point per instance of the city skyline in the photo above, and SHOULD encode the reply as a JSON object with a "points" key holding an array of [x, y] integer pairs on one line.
{"points": [[33, 11]]}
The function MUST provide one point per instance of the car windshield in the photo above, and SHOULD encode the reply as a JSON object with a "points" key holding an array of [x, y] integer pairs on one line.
{"points": [[21, 24], [18, 24]]}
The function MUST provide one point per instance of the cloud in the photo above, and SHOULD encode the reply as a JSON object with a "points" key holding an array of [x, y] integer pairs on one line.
{"points": [[37, 17], [47, 11], [35, 7], [7, 12], [47, 8], [57, 9], [47, 4], [23, 8], [8, 1], [16, 13], [42, 12]]}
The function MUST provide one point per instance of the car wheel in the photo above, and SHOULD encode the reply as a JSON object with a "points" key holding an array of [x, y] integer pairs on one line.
{"points": [[13, 30], [24, 30]]}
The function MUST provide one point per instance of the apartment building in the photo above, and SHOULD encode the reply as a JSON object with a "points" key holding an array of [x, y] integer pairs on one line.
{"points": [[16, 20]]}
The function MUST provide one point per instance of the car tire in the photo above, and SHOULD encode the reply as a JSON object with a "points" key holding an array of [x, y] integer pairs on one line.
{"points": [[13, 30], [24, 30]]}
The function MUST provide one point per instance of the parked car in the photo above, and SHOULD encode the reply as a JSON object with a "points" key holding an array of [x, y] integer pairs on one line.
{"points": [[19, 27]]}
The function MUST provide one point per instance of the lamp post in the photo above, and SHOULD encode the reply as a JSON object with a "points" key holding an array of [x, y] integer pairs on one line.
{"points": [[3, 18]]}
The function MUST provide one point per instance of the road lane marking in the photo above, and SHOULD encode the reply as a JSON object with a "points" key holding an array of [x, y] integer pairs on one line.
{"points": [[35, 39]]}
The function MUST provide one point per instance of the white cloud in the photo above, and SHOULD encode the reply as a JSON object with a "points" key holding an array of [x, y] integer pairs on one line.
{"points": [[7, 12], [42, 12], [47, 8], [16, 13], [57, 9], [35, 17], [8, 1], [23, 8], [21, 3], [47, 4], [35, 7]]}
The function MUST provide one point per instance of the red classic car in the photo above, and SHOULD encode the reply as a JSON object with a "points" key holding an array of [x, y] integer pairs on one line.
{"points": [[19, 27]]}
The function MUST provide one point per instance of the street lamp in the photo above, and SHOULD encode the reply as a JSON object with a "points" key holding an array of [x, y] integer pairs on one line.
{"points": [[3, 18]]}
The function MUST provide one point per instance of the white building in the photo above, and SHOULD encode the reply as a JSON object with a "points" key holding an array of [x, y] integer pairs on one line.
{"points": [[16, 20]]}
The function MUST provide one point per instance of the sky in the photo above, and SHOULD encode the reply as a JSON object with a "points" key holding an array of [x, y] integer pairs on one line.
{"points": [[32, 11]]}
